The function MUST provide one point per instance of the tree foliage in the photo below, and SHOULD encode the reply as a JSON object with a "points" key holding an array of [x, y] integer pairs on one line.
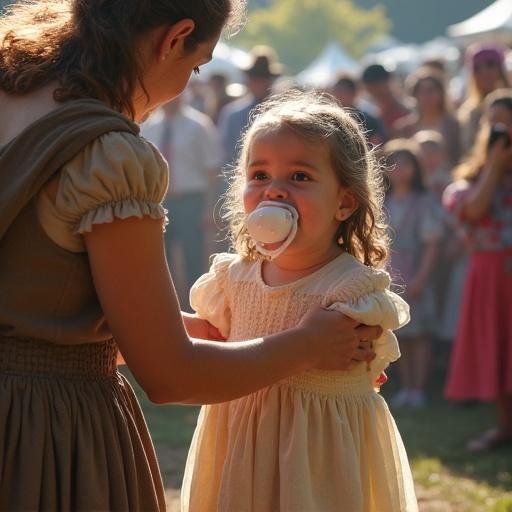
{"points": [[299, 29]]}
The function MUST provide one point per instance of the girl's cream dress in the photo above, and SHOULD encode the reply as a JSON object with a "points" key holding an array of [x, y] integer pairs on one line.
{"points": [[322, 441]]}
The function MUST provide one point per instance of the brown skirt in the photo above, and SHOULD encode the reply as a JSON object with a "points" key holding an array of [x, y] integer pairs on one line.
{"points": [[72, 435]]}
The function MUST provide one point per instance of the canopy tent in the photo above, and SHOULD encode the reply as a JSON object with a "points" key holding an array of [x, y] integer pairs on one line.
{"points": [[405, 58], [323, 70], [228, 61], [494, 21]]}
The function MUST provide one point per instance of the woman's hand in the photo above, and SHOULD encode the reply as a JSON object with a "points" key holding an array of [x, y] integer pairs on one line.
{"points": [[337, 341]]}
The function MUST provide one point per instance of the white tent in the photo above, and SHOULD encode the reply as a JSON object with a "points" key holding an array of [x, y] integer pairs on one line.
{"points": [[228, 61], [494, 21], [323, 70]]}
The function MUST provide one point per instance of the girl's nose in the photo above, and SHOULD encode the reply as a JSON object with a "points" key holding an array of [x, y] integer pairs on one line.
{"points": [[276, 190]]}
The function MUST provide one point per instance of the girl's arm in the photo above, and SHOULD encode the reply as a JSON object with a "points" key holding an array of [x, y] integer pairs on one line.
{"points": [[479, 199], [137, 295], [428, 260]]}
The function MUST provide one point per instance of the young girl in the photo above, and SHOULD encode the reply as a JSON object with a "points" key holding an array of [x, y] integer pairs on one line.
{"points": [[416, 230], [481, 201], [307, 225]]}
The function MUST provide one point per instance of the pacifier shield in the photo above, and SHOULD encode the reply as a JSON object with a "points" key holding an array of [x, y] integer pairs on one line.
{"points": [[270, 224]]}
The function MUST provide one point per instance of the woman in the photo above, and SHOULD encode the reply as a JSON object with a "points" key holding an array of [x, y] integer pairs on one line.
{"points": [[486, 65], [481, 202], [82, 259], [432, 112]]}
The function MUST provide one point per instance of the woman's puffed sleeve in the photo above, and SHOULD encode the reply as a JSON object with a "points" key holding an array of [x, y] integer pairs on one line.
{"points": [[119, 175], [376, 305], [454, 198], [209, 295]]}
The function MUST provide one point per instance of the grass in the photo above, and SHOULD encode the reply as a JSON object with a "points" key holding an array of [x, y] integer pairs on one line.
{"points": [[447, 478]]}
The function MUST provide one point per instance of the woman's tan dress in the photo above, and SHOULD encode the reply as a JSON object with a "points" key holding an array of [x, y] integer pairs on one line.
{"points": [[72, 436]]}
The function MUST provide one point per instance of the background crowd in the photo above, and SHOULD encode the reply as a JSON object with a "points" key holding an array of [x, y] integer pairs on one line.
{"points": [[424, 133]]}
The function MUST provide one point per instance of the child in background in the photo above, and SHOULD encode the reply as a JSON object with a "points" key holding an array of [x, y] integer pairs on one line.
{"points": [[481, 202], [416, 230], [306, 221], [448, 277], [434, 161]]}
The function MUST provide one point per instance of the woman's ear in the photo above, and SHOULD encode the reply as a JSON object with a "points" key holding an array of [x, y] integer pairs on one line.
{"points": [[173, 38], [347, 206]]}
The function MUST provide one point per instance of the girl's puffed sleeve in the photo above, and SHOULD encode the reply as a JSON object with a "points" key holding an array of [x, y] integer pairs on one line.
{"points": [[119, 175], [365, 296], [209, 296]]}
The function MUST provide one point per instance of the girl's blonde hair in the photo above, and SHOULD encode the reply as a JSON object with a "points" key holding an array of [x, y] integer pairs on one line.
{"points": [[470, 168], [318, 118]]}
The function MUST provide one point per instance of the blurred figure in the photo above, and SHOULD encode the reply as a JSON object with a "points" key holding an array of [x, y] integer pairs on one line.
{"points": [[217, 97], [195, 94], [415, 234], [436, 65], [345, 91], [377, 81], [189, 142], [234, 118], [486, 65], [432, 112], [481, 201], [434, 161], [448, 276]]}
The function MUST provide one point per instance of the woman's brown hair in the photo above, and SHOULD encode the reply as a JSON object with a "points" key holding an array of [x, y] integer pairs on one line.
{"points": [[427, 74], [469, 169], [318, 119], [90, 47]]}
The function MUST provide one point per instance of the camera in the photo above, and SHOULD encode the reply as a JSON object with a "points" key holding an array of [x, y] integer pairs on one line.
{"points": [[498, 131]]}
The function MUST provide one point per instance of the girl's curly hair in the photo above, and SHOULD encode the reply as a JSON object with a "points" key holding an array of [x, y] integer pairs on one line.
{"points": [[318, 118]]}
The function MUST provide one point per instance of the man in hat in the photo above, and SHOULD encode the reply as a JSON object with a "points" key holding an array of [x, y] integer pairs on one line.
{"points": [[234, 117], [377, 81]]}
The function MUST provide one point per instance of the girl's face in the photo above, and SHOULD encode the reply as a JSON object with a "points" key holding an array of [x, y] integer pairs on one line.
{"points": [[428, 96], [487, 74], [402, 171], [285, 168]]}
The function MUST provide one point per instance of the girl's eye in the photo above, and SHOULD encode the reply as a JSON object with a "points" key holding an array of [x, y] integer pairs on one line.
{"points": [[300, 176], [259, 175], [197, 71]]}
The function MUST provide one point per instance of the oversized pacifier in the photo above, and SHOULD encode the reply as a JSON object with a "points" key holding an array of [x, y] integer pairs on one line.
{"points": [[272, 222]]}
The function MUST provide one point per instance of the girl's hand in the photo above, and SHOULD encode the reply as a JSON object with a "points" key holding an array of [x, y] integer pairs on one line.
{"points": [[336, 339], [201, 329]]}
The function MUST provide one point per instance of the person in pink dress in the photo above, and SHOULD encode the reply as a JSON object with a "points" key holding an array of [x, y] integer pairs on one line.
{"points": [[481, 201]]}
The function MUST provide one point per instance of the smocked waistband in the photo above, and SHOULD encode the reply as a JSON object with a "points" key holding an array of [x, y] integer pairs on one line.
{"points": [[353, 382], [27, 356]]}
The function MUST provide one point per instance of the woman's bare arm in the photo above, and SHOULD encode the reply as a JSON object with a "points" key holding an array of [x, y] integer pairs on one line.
{"points": [[137, 295], [480, 198]]}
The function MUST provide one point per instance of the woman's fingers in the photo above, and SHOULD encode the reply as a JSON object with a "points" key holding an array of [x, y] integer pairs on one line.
{"points": [[368, 332]]}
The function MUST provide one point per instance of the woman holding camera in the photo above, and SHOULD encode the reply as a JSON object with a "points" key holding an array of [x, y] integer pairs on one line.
{"points": [[481, 200]]}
